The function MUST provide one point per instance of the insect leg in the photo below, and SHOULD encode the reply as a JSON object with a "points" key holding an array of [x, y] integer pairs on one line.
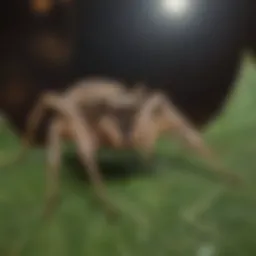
{"points": [[87, 146], [53, 167]]}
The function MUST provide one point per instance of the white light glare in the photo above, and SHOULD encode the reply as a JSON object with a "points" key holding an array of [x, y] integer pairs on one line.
{"points": [[178, 7]]}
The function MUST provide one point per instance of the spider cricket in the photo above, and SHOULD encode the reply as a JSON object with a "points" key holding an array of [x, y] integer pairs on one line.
{"points": [[99, 112]]}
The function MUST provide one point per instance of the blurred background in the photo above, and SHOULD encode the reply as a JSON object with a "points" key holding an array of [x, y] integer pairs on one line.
{"points": [[201, 53]]}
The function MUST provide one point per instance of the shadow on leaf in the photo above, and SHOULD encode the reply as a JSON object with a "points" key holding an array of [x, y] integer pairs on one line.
{"points": [[113, 166]]}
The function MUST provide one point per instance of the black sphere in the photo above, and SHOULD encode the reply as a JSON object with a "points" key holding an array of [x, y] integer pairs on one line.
{"points": [[193, 59]]}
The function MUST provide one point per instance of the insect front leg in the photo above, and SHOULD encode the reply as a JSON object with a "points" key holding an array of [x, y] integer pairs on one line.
{"points": [[47, 101], [53, 167], [169, 120], [145, 130], [181, 127], [87, 147]]}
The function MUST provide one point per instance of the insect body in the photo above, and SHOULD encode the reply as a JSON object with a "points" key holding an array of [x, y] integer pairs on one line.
{"points": [[98, 112]]}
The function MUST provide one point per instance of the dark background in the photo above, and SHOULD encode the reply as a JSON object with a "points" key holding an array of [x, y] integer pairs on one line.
{"points": [[195, 61]]}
